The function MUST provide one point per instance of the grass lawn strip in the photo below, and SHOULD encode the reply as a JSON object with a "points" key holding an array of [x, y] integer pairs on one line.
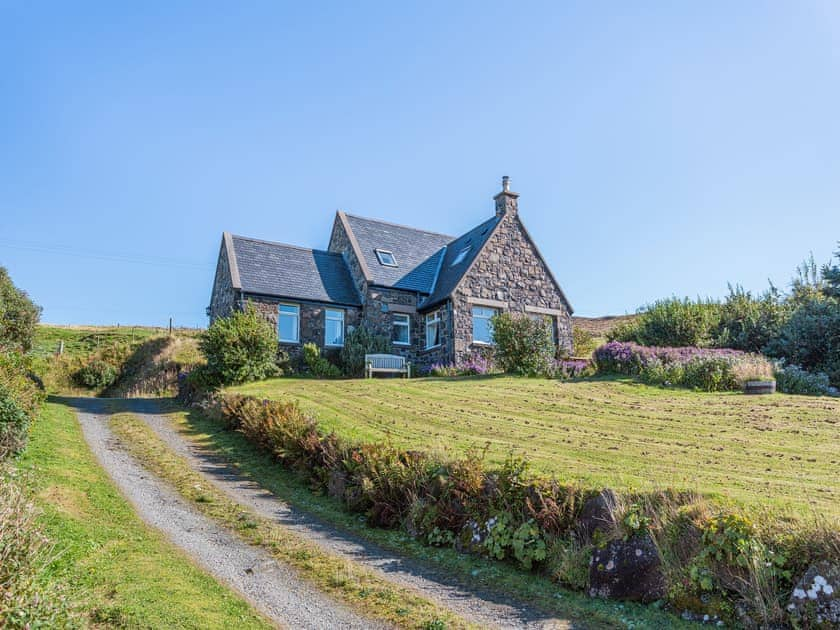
{"points": [[474, 572], [778, 450], [119, 571], [361, 588]]}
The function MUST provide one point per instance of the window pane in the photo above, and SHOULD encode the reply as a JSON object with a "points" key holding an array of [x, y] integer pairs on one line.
{"points": [[401, 329], [289, 308], [482, 328], [334, 328], [287, 327]]}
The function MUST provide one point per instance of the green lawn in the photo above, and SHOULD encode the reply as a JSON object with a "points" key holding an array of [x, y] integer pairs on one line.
{"points": [[84, 340], [120, 572], [781, 451]]}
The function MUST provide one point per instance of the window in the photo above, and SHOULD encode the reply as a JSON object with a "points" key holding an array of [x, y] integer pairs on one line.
{"points": [[433, 329], [401, 326], [386, 258], [461, 255], [334, 327], [549, 321], [482, 326], [288, 323]]}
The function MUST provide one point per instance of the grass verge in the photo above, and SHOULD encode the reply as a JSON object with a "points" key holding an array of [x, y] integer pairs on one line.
{"points": [[121, 573], [353, 584], [476, 572]]}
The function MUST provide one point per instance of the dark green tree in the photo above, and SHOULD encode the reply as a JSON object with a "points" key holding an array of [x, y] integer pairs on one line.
{"points": [[18, 316]]}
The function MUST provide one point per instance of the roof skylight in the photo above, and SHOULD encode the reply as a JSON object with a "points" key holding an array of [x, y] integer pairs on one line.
{"points": [[386, 258], [461, 255]]}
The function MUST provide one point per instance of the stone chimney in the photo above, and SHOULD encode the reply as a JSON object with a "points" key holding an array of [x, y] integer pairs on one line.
{"points": [[506, 201]]}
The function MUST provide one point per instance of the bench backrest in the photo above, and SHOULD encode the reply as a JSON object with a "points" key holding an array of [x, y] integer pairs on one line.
{"points": [[385, 361]]}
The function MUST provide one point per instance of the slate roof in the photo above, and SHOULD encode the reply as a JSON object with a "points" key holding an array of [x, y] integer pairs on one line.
{"points": [[287, 271], [417, 253], [450, 275]]}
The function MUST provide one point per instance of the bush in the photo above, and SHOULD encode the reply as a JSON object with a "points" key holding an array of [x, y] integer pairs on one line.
{"points": [[792, 379], [20, 400], [473, 365], [583, 342], [239, 348], [749, 323], [811, 338], [523, 345], [24, 555], [96, 374], [318, 366], [18, 316], [359, 342], [672, 322], [700, 368]]}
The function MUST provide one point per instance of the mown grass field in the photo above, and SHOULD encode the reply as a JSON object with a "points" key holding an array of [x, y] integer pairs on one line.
{"points": [[119, 572], [84, 340], [778, 451]]}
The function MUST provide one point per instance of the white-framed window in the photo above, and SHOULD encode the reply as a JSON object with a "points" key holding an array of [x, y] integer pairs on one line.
{"points": [[461, 255], [288, 323], [433, 329], [333, 327], [401, 326], [386, 258], [482, 326]]}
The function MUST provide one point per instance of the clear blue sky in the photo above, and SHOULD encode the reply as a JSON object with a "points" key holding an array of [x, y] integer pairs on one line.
{"points": [[659, 148]]}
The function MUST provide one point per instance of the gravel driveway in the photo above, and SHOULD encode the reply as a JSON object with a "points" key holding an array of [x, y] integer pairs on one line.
{"points": [[272, 588], [295, 598]]}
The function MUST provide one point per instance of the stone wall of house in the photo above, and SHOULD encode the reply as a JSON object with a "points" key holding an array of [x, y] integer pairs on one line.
{"points": [[312, 323], [340, 243], [508, 275], [223, 298]]}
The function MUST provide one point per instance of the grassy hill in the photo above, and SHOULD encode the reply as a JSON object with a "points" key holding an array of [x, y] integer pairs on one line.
{"points": [[772, 450], [85, 340]]}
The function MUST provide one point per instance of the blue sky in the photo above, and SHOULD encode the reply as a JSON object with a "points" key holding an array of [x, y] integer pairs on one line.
{"points": [[659, 148]]}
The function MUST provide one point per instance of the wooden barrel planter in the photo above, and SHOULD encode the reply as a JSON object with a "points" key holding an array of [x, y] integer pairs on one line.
{"points": [[760, 387]]}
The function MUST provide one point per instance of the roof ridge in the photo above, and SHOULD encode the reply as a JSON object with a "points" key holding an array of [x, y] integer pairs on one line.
{"points": [[400, 225], [299, 247]]}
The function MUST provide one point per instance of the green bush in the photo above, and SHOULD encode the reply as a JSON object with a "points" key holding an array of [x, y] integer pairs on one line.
{"points": [[20, 400], [672, 322], [792, 379], [18, 316], [238, 349], [749, 323], [583, 342], [96, 374], [318, 366], [523, 345], [359, 342]]}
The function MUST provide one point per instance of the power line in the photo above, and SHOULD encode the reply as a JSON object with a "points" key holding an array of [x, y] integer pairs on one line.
{"points": [[133, 259]]}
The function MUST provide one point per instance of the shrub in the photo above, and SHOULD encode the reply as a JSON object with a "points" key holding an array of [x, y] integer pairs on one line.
{"points": [[523, 345], [671, 322], [20, 399], [811, 338], [473, 365], [239, 348], [96, 374], [359, 342], [701, 368], [583, 342], [792, 379], [318, 366], [24, 555], [570, 368], [18, 316], [749, 323]]}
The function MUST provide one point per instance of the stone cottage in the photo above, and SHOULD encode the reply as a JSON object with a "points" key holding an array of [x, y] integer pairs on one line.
{"points": [[433, 295]]}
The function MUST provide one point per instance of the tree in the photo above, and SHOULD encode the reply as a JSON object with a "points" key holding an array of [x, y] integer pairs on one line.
{"points": [[831, 277], [18, 316]]}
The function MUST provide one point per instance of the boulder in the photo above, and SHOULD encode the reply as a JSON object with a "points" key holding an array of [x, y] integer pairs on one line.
{"points": [[627, 569], [597, 513], [815, 601]]}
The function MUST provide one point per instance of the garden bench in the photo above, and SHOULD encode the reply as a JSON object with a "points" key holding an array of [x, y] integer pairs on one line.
{"points": [[389, 363]]}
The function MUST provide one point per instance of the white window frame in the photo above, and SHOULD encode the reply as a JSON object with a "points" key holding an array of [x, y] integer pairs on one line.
{"points": [[484, 313], [432, 319], [381, 253], [296, 316], [330, 315], [404, 322]]}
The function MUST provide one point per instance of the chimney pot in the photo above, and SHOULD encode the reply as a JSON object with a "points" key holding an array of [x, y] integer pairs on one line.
{"points": [[506, 201], [505, 183]]}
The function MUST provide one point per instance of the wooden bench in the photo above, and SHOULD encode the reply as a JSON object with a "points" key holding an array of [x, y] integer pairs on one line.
{"points": [[388, 363]]}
